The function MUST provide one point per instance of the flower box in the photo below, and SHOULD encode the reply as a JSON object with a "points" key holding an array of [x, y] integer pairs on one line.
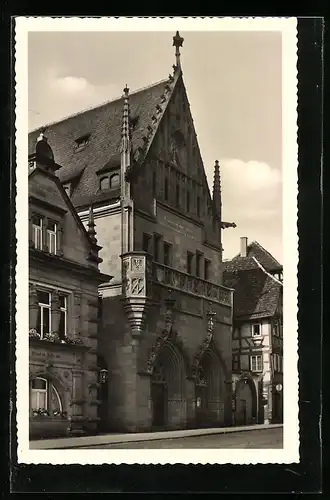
{"points": [[48, 427]]}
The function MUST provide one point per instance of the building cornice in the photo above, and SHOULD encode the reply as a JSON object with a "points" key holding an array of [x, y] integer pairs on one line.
{"points": [[66, 264], [101, 211]]}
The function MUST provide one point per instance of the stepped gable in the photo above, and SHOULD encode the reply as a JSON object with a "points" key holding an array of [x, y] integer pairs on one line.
{"points": [[256, 293], [102, 128]]}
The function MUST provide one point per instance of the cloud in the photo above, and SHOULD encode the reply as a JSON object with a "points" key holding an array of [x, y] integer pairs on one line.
{"points": [[252, 198], [71, 84]]}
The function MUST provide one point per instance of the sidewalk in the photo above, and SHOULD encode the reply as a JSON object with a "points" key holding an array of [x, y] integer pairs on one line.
{"points": [[95, 441]]}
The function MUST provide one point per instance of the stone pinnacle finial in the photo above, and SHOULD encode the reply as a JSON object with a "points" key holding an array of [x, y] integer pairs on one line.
{"points": [[91, 225], [177, 43], [217, 189], [126, 126]]}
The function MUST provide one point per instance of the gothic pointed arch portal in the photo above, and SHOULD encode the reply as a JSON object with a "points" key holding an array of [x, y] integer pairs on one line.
{"points": [[167, 388], [246, 401], [210, 390]]}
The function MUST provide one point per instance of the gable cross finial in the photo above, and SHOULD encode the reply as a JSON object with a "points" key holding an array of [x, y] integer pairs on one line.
{"points": [[177, 43]]}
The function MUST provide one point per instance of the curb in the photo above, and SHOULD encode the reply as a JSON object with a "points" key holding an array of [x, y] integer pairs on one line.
{"points": [[132, 438]]}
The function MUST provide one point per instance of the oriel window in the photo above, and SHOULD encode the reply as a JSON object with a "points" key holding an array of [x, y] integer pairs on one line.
{"points": [[51, 237], [37, 232], [44, 313]]}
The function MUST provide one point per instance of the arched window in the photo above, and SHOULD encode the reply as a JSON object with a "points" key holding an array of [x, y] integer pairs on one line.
{"points": [[45, 398], [104, 183], [114, 180]]}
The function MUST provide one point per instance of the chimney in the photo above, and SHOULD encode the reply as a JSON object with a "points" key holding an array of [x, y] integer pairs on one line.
{"points": [[244, 244]]}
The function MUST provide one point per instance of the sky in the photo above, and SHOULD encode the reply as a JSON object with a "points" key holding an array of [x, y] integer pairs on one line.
{"points": [[234, 86]]}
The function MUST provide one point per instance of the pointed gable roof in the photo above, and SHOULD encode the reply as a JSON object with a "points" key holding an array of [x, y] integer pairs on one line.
{"points": [[101, 127], [254, 251]]}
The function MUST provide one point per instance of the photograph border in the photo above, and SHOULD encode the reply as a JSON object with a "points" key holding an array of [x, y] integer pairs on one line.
{"points": [[300, 222]]}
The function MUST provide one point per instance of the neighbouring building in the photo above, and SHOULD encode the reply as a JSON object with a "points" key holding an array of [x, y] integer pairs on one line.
{"points": [[166, 336], [257, 335], [63, 306]]}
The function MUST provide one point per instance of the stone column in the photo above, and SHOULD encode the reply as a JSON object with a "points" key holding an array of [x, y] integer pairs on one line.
{"points": [[33, 307]]}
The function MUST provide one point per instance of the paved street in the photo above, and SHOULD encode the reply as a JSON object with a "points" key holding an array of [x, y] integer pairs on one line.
{"points": [[263, 438]]}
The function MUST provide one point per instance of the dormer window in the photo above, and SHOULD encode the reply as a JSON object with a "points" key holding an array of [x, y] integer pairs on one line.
{"points": [[114, 180], [51, 237], [81, 142], [37, 232], [104, 183]]}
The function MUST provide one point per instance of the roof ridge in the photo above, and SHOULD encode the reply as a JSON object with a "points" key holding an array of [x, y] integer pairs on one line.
{"points": [[264, 250], [104, 103], [266, 272]]}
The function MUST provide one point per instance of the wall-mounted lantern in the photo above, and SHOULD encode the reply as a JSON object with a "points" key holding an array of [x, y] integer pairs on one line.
{"points": [[103, 376]]}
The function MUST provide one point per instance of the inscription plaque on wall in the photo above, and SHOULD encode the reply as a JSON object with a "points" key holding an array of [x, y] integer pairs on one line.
{"points": [[178, 225]]}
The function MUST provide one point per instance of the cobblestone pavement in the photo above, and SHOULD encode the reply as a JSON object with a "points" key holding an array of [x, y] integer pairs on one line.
{"points": [[263, 438]]}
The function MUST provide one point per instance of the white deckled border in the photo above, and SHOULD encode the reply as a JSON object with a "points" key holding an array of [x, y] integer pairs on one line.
{"points": [[290, 451]]}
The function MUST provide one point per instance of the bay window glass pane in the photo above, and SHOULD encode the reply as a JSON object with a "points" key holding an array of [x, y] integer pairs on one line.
{"points": [[63, 301]]}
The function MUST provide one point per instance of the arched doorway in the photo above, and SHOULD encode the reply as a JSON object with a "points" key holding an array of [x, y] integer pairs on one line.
{"points": [[103, 395], [167, 389], [210, 391], [246, 402]]}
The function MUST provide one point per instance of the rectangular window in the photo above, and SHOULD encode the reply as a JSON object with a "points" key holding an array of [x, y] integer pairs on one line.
{"points": [[146, 242], [37, 232], [156, 247], [190, 258], [154, 184], [44, 313], [256, 330], [256, 363], [188, 201], [51, 237], [166, 189], [177, 195], [198, 206], [198, 264], [167, 254], [63, 316], [235, 362], [207, 267]]}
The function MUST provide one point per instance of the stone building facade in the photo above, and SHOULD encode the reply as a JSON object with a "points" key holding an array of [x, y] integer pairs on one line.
{"points": [[257, 335], [63, 306], [166, 335]]}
